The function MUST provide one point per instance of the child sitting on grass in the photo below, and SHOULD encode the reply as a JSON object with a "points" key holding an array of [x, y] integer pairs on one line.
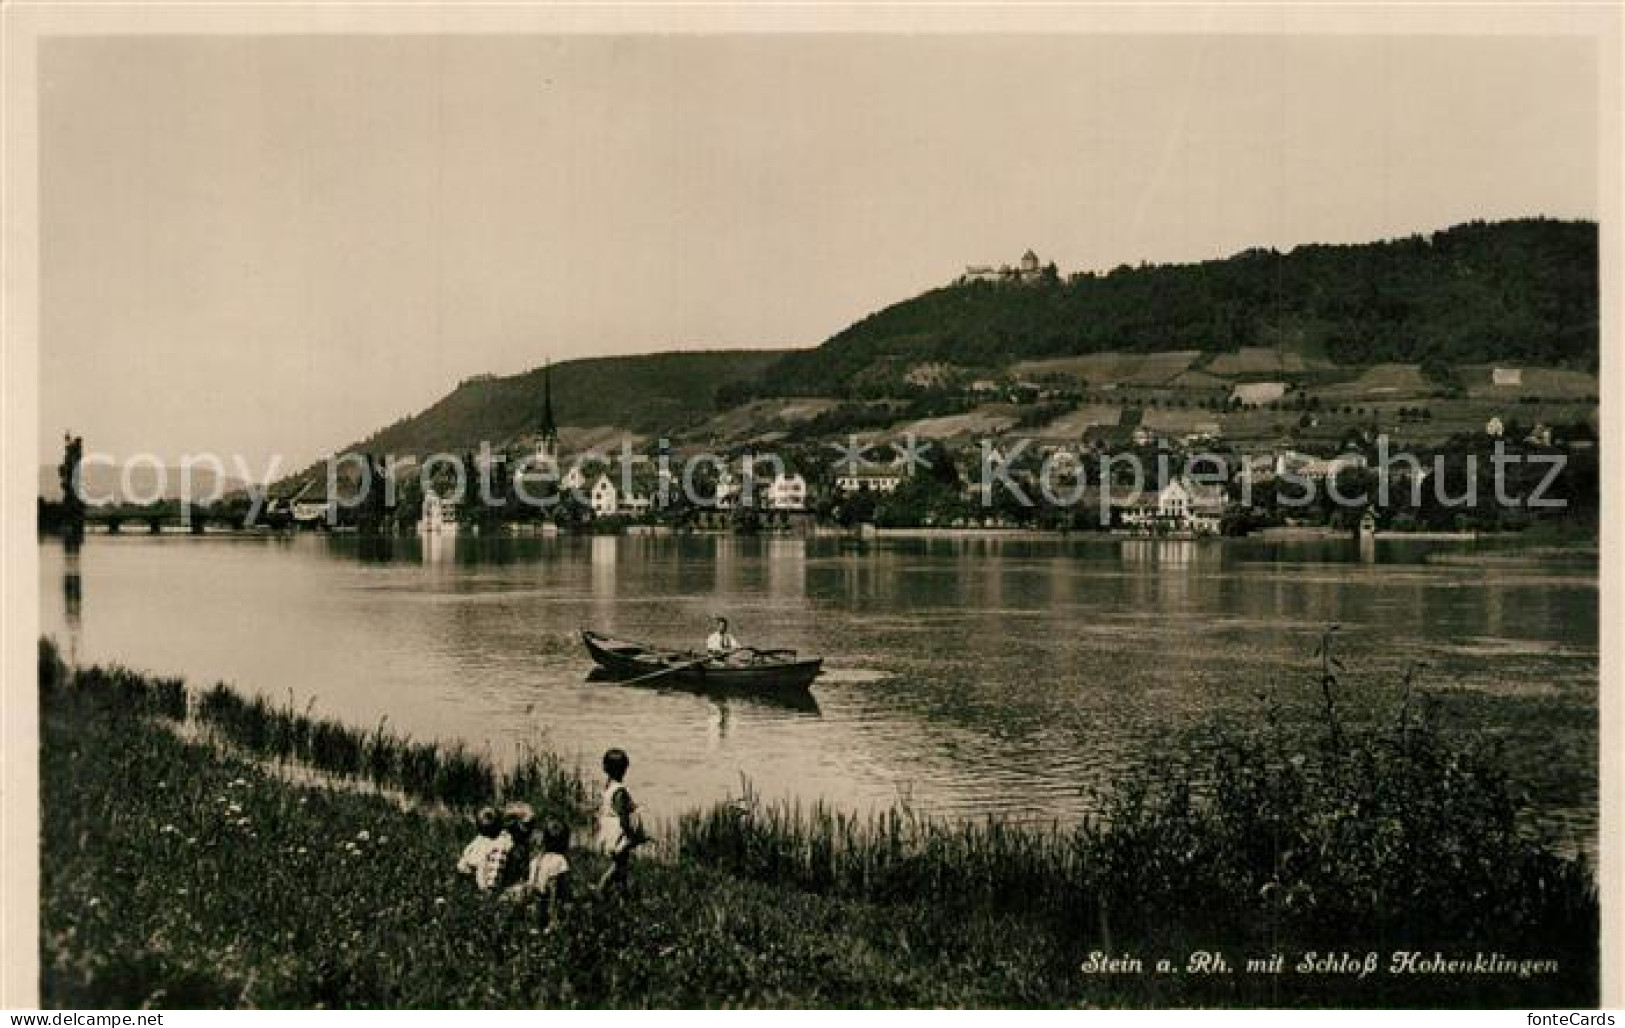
{"points": [[518, 824], [549, 874], [484, 857], [619, 830]]}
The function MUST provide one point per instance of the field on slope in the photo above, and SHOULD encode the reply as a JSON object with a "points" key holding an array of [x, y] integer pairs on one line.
{"points": [[1149, 369]]}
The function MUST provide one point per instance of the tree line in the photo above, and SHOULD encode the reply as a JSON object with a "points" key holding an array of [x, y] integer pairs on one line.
{"points": [[1524, 290]]}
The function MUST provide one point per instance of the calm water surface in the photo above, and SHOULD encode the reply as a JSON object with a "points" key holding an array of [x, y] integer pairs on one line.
{"points": [[966, 676]]}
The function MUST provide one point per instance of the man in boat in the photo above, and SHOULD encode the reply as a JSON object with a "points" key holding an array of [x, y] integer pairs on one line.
{"points": [[721, 642]]}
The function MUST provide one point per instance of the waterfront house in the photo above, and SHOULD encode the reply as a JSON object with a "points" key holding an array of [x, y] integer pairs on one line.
{"points": [[728, 489], [1182, 506], [634, 504], [787, 492], [605, 497], [437, 514], [313, 511]]}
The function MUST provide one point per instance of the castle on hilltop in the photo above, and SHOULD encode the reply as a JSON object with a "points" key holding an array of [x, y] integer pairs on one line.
{"points": [[1027, 270]]}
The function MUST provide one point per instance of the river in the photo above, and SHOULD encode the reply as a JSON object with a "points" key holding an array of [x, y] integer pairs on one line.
{"points": [[964, 677]]}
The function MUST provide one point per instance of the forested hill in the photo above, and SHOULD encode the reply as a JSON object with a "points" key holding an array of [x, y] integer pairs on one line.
{"points": [[649, 393], [1521, 290]]}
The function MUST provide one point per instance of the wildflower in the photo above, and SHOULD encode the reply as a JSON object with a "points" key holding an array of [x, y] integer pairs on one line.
{"points": [[301, 851], [94, 902], [363, 835], [191, 840], [439, 901]]}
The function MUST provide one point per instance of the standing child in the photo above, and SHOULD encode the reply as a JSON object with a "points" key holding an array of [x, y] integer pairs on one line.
{"points": [[619, 831], [484, 857]]}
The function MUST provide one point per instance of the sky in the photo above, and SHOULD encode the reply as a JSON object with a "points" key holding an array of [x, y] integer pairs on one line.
{"points": [[266, 246]]}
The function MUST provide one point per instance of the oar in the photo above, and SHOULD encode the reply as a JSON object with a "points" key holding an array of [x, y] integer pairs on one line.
{"points": [[666, 671]]}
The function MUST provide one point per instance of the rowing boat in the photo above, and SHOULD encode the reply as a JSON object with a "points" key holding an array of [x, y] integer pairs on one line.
{"points": [[764, 671]]}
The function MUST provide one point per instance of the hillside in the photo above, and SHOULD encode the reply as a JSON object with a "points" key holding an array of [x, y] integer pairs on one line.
{"points": [[1521, 291], [646, 395]]}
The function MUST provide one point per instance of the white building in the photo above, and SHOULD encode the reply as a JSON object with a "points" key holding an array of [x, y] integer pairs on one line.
{"points": [[311, 511], [727, 495], [1027, 270], [606, 499], [1063, 462], [1506, 376], [1182, 506], [875, 479], [1259, 467], [1494, 428], [1316, 469], [437, 515], [787, 492]]}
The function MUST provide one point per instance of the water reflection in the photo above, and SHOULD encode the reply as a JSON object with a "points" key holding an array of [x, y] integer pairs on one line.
{"points": [[438, 548], [982, 675], [787, 568], [376, 549], [1368, 548], [73, 595], [802, 704]]}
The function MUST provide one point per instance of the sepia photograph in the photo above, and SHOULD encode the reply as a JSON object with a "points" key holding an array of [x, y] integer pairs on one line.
{"points": [[689, 508]]}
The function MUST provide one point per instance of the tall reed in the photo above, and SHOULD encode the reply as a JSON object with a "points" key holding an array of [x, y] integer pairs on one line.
{"points": [[447, 773], [1342, 832], [113, 687]]}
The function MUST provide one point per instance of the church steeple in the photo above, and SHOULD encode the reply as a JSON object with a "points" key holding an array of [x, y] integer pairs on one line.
{"points": [[549, 429]]}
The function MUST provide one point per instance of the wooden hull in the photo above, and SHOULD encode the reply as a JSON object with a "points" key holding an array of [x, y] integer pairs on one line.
{"points": [[625, 659]]}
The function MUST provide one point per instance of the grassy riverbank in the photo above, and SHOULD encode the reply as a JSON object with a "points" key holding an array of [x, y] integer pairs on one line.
{"points": [[180, 869]]}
